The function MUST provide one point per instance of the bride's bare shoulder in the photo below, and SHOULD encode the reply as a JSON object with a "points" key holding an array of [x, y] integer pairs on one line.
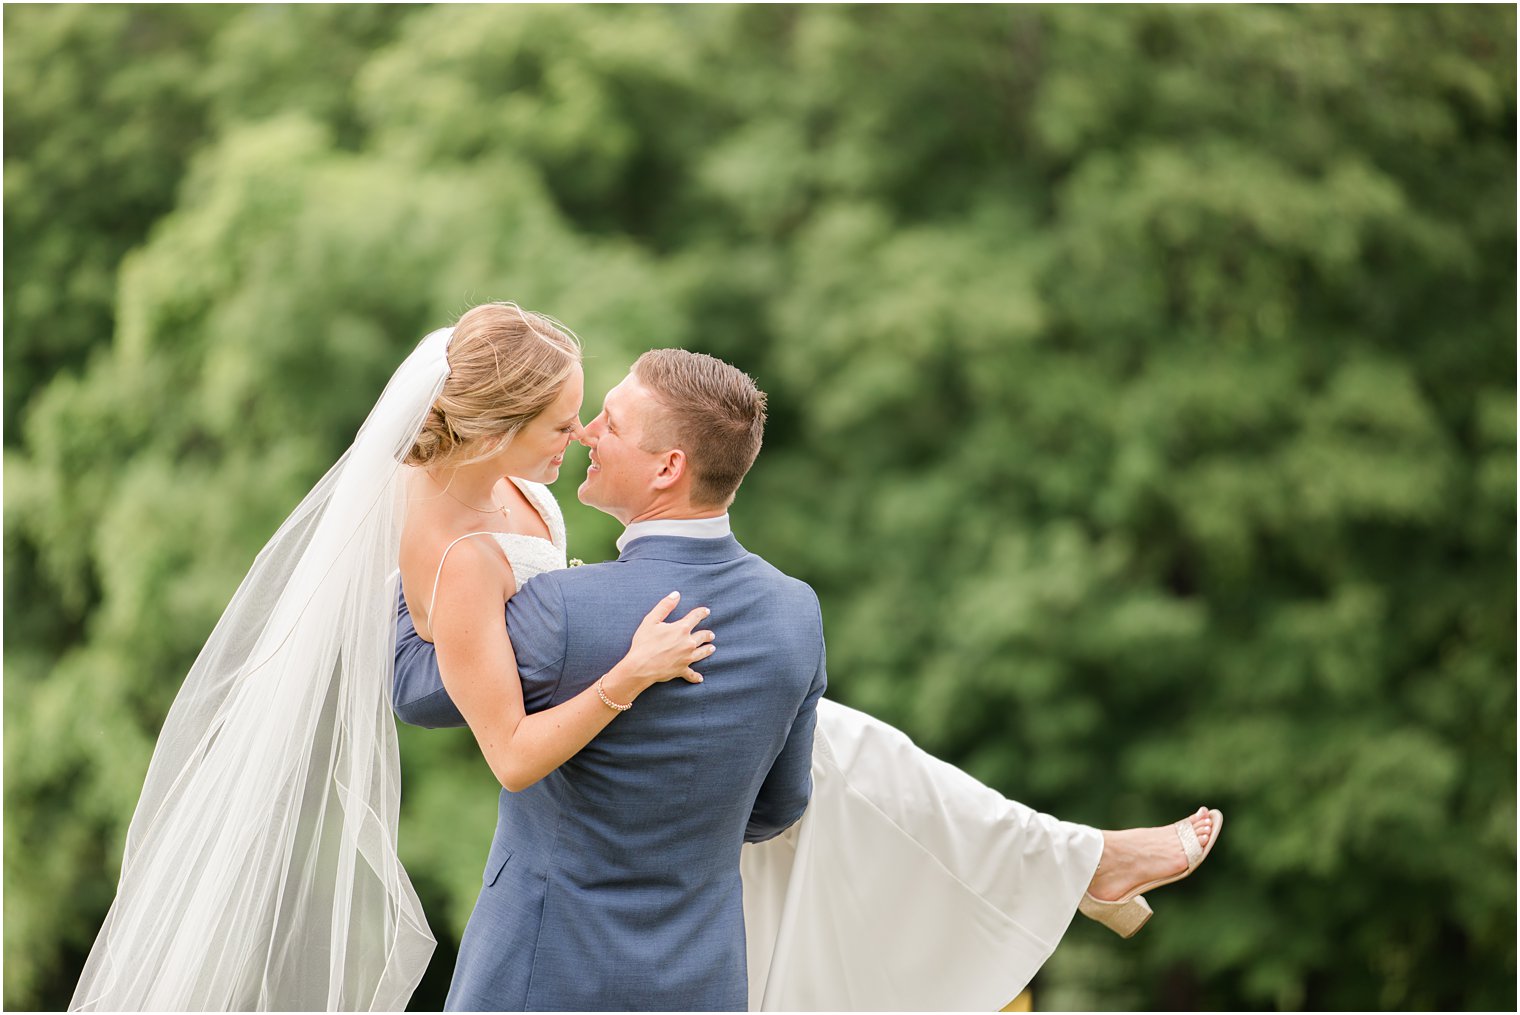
{"points": [[431, 538]]}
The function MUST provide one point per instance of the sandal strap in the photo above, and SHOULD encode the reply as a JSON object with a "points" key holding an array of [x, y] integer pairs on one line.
{"points": [[1191, 847]]}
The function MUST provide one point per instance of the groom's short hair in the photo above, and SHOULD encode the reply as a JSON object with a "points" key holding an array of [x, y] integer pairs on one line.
{"points": [[712, 411]]}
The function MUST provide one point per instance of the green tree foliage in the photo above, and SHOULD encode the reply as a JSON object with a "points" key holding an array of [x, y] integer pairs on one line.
{"points": [[102, 107], [1142, 388]]}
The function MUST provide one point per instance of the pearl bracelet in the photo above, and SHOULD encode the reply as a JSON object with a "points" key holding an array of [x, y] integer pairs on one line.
{"points": [[608, 701]]}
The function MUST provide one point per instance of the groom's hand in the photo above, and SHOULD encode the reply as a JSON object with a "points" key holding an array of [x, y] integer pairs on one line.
{"points": [[663, 651]]}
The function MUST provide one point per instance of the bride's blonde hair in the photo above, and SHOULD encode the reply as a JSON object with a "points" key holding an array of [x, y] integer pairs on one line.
{"points": [[506, 365]]}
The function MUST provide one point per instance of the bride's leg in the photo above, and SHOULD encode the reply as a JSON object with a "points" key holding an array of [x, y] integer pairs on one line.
{"points": [[1138, 856]]}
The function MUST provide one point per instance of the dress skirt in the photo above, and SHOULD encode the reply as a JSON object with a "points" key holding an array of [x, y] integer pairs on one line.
{"points": [[907, 885]]}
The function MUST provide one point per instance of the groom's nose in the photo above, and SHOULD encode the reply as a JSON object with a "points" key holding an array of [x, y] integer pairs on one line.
{"points": [[589, 433]]}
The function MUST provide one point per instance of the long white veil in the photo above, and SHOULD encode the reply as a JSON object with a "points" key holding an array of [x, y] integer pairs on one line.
{"points": [[260, 870]]}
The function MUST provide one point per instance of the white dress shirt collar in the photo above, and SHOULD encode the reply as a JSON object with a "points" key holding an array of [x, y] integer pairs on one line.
{"points": [[690, 528]]}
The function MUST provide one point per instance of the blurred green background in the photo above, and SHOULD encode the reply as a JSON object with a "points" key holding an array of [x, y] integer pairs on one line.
{"points": [[1142, 386]]}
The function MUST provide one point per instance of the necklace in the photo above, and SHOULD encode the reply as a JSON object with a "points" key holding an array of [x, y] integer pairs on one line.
{"points": [[502, 508]]}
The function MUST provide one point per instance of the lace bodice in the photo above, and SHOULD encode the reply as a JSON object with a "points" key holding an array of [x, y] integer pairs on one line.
{"points": [[531, 555]]}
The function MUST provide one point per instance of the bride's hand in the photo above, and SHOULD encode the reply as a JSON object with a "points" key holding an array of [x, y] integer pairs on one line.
{"points": [[662, 651]]}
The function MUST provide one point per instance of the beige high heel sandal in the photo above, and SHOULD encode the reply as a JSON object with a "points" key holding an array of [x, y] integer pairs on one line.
{"points": [[1127, 915]]}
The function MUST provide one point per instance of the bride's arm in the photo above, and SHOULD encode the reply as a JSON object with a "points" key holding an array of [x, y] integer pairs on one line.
{"points": [[479, 671]]}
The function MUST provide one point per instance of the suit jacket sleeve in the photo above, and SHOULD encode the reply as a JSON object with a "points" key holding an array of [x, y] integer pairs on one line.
{"points": [[536, 622], [788, 786], [540, 630], [417, 692]]}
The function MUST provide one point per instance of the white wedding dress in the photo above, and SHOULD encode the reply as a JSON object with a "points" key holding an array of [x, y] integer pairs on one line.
{"points": [[906, 886]]}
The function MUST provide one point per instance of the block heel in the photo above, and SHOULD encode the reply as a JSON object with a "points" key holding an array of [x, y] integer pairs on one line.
{"points": [[1124, 917]]}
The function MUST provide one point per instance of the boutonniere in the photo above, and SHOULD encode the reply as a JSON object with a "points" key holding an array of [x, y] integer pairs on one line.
{"points": [[576, 562]]}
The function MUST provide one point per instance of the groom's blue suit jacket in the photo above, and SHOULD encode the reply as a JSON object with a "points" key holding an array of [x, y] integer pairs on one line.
{"points": [[613, 883]]}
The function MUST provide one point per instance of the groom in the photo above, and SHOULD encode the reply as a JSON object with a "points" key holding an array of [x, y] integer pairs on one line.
{"points": [[613, 883]]}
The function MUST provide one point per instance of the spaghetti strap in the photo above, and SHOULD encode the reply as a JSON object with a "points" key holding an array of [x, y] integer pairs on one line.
{"points": [[439, 574]]}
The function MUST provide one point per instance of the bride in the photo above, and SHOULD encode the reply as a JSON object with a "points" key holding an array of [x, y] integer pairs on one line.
{"points": [[260, 868]]}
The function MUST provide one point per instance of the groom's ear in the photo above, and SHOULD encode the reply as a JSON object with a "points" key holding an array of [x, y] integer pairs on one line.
{"points": [[672, 469]]}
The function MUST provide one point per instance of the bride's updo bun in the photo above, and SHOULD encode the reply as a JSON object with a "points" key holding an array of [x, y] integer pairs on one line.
{"points": [[506, 365]]}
